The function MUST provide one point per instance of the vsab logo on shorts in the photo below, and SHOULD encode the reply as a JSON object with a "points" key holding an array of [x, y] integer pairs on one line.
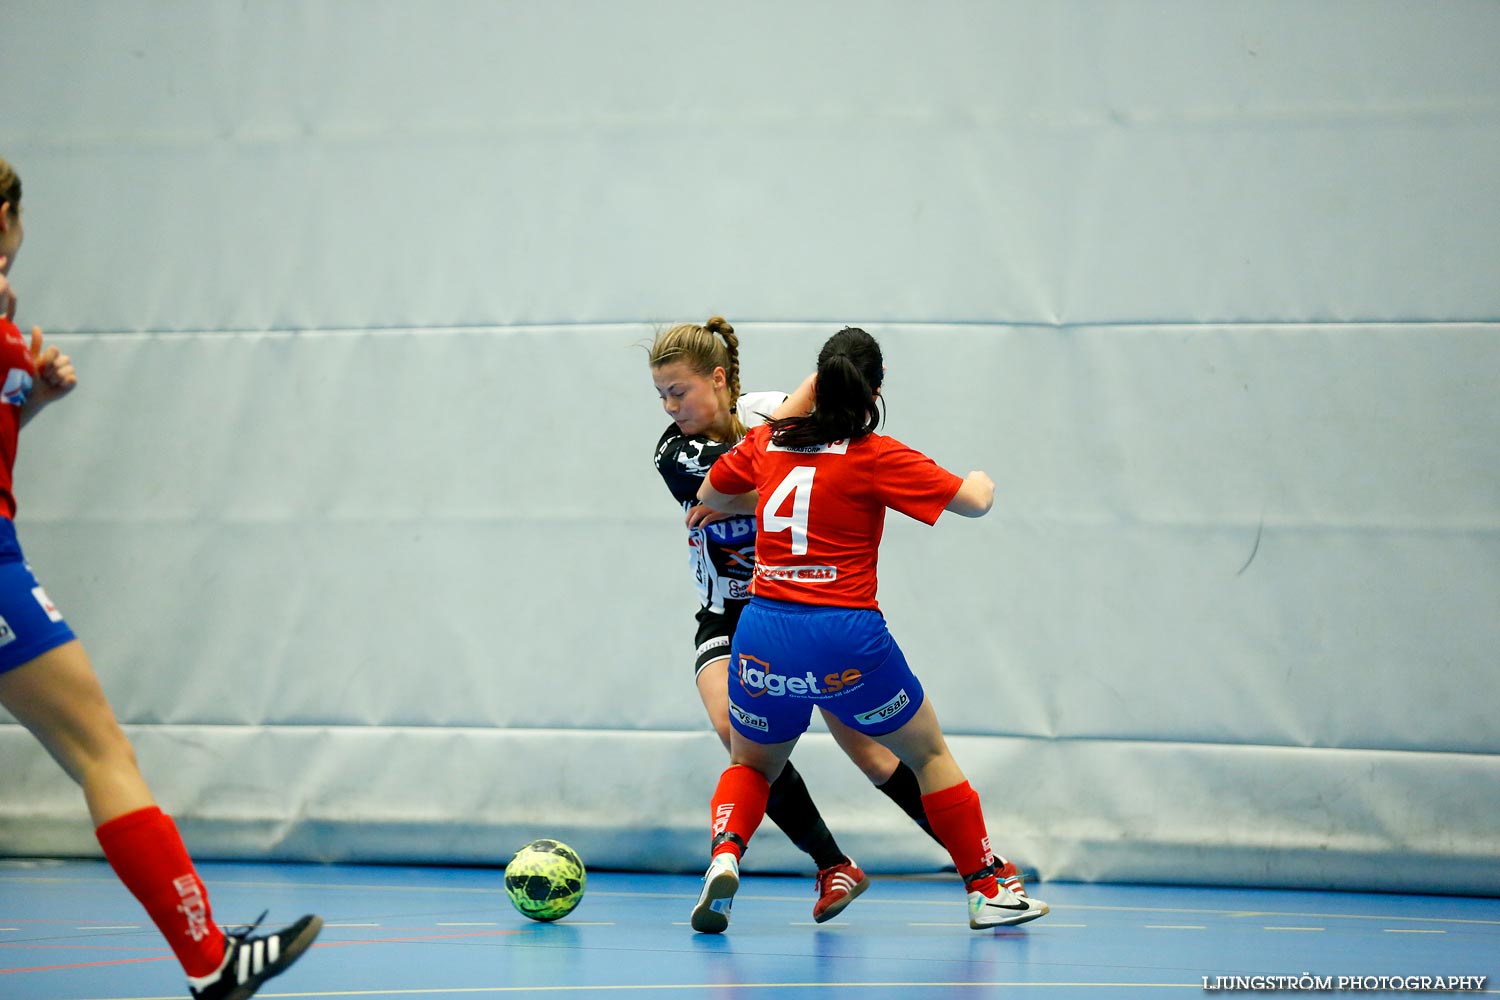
{"points": [[886, 711], [749, 719], [757, 679]]}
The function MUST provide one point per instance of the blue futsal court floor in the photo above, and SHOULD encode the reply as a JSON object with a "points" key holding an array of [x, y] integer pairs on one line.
{"points": [[69, 931]]}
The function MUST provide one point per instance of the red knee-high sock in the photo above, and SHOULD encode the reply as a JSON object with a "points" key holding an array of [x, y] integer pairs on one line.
{"points": [[959, 823], [739, 804], [145, 850]]}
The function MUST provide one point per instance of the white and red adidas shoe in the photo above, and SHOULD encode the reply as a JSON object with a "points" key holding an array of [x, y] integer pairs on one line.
{"points": [[837, 887]]}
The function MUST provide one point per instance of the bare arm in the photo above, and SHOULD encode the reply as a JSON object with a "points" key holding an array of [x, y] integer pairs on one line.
{"points": [[800, 402], [55, 377], [704, 514], [727, 503], [975, 496]]}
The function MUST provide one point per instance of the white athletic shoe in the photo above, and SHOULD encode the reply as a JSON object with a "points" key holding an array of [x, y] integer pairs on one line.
{"points": [[720, 883], [1003, 909], [1008, 875]]}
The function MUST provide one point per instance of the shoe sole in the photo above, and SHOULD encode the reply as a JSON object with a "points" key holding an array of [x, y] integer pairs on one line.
{"points": [[1021, 917], [289, 954], [834, 909], [707, 920]]}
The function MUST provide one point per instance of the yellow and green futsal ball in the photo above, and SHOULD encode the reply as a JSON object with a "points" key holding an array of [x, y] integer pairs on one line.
{"points": [[545, 880]]}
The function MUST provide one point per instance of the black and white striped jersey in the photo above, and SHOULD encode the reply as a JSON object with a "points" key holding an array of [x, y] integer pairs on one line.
{"points": [[721, 554]]}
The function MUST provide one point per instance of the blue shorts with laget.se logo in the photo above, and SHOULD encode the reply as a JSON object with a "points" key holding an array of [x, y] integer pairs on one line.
{"points": [[788, 657]]}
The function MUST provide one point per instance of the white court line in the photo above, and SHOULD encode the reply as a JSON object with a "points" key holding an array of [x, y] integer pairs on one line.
{"points": [[1291, 928], [864, 900], [111, 927], [1175, 927], [1414, 930], [1277, 913], [468, 923]]}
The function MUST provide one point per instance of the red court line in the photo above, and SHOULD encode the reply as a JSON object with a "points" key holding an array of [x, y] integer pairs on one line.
{"points": [[327, 944], [87, 965], [80, 947]]}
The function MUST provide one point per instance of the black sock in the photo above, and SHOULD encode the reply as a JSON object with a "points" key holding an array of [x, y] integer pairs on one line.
{"points": [[791, 808], [902, 788]]}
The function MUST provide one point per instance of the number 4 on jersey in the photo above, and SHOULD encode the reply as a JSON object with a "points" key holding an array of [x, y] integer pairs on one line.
{"points": [[798, 483]]}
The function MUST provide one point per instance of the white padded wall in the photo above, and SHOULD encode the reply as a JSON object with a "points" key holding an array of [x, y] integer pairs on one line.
{"points": [[354, 510], [370, 163]]}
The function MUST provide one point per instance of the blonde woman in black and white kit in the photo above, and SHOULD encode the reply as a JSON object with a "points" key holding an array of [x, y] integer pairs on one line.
{"points": [[696, 372]]}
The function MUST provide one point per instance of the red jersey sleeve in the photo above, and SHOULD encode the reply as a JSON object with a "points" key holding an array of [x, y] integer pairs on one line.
{"points": [[909, 481], [734, 472], [17, 371]]}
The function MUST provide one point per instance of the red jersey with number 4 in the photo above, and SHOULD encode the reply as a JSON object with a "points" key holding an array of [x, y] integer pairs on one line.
{"points": [[19, 372], [821, 510]]}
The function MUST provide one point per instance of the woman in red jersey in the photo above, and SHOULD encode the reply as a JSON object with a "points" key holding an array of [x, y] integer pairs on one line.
{"points": [[48, 684], [696, 371], [819, 485]]}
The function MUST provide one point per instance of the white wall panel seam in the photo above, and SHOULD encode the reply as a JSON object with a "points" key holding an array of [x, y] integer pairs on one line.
{"points": [[383, 730], [645, 326]]}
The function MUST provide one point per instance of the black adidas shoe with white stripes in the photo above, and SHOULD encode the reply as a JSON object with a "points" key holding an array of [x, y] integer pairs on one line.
{"points": [[250, 959]]}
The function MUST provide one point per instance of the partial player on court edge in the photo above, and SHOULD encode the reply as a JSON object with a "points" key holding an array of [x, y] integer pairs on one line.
{"points": [[49, 685]]}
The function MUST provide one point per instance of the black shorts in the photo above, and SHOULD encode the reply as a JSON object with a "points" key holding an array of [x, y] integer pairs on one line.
{"points": [[715, 629]]}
